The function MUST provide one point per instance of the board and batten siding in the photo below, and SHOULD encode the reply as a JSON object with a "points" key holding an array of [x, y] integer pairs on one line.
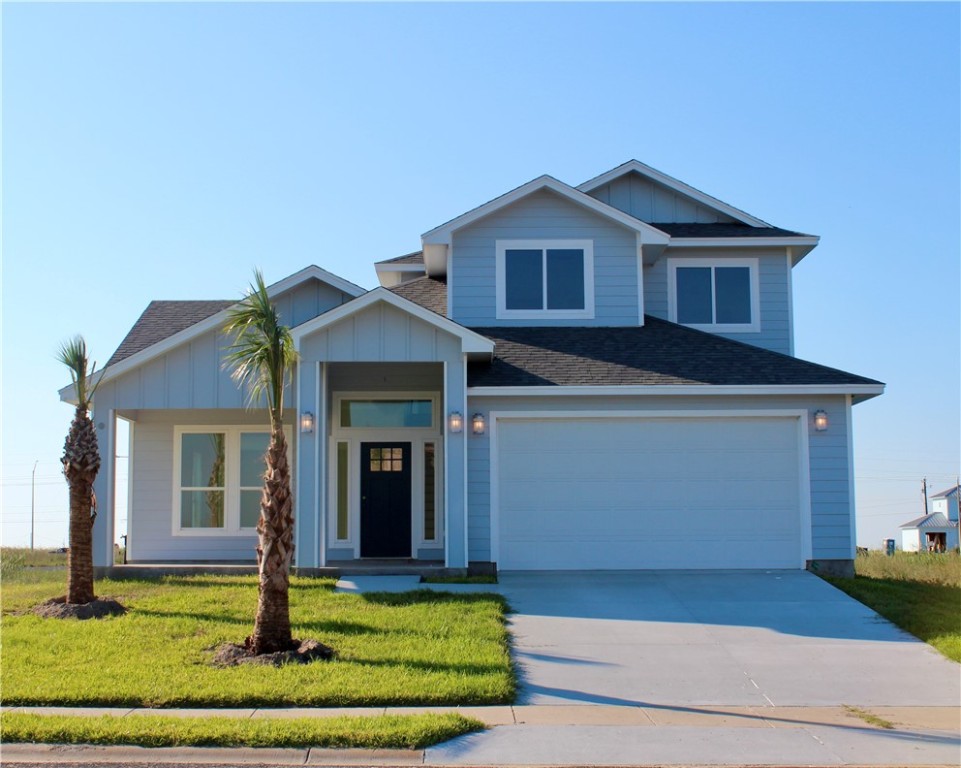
{"points": [[377, 338], [773, 284], [830, 492], [151, 477], [543, 215], [652, 202]]}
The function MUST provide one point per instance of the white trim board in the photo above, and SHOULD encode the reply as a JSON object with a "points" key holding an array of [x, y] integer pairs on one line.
{"points": [[800, 415]]}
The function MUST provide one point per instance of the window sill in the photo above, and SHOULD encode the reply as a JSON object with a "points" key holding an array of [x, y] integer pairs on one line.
{"points": [[725, 327], [545, 314]]}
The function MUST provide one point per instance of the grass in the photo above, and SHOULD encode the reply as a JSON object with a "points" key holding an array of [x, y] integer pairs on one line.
{"points": [[869, 718], [13, 560], [380, 732], [416, 648], [921, 593]]}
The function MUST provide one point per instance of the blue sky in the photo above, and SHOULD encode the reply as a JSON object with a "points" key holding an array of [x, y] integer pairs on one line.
{"points": [[164, 150]]}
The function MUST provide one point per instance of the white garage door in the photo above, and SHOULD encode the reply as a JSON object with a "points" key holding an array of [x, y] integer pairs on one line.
{"points": [[648, 493]]}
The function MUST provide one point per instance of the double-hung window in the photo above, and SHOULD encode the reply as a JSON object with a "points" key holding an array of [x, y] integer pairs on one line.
{"points": [[714, 295], [218, 477], [545, 279]]}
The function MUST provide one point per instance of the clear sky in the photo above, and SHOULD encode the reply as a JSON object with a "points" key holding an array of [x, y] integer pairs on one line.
{"points": [[161, 151]]}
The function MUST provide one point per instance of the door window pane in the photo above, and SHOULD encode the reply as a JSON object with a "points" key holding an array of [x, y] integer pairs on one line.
{"points": [[430, 521], [694, 295], [565, 278], [523, 279], [342, 490], [202, 460], [386, 413], [732, 292]]}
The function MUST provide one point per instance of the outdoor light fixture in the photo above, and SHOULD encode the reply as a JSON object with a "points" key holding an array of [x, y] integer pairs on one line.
{"points": [[307, 422], [456, 422], [820, 420], [477, 423]]}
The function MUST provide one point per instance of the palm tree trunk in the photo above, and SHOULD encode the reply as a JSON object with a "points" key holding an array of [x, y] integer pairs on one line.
{"points": [[275, 550], [80, 557]]}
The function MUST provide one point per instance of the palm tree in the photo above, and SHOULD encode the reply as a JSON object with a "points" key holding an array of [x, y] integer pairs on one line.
{"points": [[81, 463], [261, 355]]}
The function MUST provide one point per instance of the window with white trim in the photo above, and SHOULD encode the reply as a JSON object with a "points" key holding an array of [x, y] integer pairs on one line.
{"points": [[714, 295], [545, 278], [218, 479]]}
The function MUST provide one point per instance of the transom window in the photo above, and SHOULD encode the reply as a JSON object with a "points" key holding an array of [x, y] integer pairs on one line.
{"points": [[714, 295], [372, 413], [218, 477], [549, 278]]}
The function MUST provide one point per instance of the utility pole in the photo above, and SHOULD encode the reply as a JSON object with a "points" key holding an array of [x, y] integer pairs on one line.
{"points": [[33, 498], [924, 494]]}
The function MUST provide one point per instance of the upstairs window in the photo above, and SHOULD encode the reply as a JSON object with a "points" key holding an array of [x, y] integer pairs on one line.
{"points": [[717, 295], [546, 278]]}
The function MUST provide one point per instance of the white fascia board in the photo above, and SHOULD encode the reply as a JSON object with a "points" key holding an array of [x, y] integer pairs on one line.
{"points": [[442, 234], [679, 389], [800, 246], [217, 320], [675, 184], [390, 274], [472, 343]]}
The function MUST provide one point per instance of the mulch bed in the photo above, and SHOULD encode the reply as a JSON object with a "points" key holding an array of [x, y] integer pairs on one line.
{"points": [[302, 652], [59, 608]]}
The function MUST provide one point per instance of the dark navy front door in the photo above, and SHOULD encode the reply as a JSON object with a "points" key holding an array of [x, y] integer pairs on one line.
{"points": [[385, 499]]}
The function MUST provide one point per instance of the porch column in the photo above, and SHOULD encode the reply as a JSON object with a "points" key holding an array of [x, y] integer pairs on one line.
{"points": [[455, 399], [105, 422], [307, 493]]}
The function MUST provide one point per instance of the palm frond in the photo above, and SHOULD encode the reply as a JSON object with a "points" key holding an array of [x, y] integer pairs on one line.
{"points": [[262, 350], [73, 354]]}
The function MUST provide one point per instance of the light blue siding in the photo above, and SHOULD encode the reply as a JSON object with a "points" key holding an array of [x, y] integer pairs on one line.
{"points": [[831, 496], [544, 216], [652, 202], [773, 284]]}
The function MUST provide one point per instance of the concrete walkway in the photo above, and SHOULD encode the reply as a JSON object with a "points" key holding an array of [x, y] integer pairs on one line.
{"points": [[582, 735]]}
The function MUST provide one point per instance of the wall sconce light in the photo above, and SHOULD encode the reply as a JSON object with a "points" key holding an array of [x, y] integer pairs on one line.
{"points": [[820, 420], [477, 423], [307, 422], [456, 422]]}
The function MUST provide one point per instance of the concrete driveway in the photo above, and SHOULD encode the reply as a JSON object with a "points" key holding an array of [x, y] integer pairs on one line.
{"points": [[778, 638]]}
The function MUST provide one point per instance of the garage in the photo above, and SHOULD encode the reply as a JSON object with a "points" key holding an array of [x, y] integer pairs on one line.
{"points": [[628, 492]]}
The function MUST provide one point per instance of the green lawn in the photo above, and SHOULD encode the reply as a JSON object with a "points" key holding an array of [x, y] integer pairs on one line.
{"points": [[381, 732], [420, 648], [921, 593]]}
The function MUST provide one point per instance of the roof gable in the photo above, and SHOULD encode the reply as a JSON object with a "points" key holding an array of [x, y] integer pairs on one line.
{"points": [[648, 234], [727, 212]]}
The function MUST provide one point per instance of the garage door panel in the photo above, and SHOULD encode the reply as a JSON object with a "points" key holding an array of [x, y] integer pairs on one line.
{"points": [[648, 493]]}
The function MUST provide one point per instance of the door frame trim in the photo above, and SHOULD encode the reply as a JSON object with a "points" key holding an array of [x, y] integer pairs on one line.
{"points": [[799, 415]]}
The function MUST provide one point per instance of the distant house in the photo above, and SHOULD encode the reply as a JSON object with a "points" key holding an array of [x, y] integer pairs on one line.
{"points": [[937, 531]]}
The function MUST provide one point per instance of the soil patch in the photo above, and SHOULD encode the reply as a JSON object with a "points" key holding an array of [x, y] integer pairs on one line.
{"points": [[302, 652], [59, 608]]}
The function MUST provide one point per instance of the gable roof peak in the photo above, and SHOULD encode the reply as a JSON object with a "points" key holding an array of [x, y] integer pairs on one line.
{"points": [[636, 166]]}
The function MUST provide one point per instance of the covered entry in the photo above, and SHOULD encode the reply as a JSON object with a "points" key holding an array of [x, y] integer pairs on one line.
{"points": [[629, 492]]}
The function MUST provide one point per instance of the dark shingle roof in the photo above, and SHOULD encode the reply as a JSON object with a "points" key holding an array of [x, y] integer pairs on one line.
{"points": [[659, 352], [429, 292], [162, 319], [723, 230], [417, 257]]}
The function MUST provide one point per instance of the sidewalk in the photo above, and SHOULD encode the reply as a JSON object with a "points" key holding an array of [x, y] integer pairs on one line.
{"points": [[583, 735]]}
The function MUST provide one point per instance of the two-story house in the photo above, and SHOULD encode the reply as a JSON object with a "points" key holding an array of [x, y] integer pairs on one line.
{"points": [[591, 377]]}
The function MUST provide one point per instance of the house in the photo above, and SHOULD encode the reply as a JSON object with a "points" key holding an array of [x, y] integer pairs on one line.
{"points": [[590, 377], [936, 531]]}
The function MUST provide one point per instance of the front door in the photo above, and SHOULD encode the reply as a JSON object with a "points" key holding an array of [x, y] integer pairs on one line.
{"points": [[385, 510]]}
